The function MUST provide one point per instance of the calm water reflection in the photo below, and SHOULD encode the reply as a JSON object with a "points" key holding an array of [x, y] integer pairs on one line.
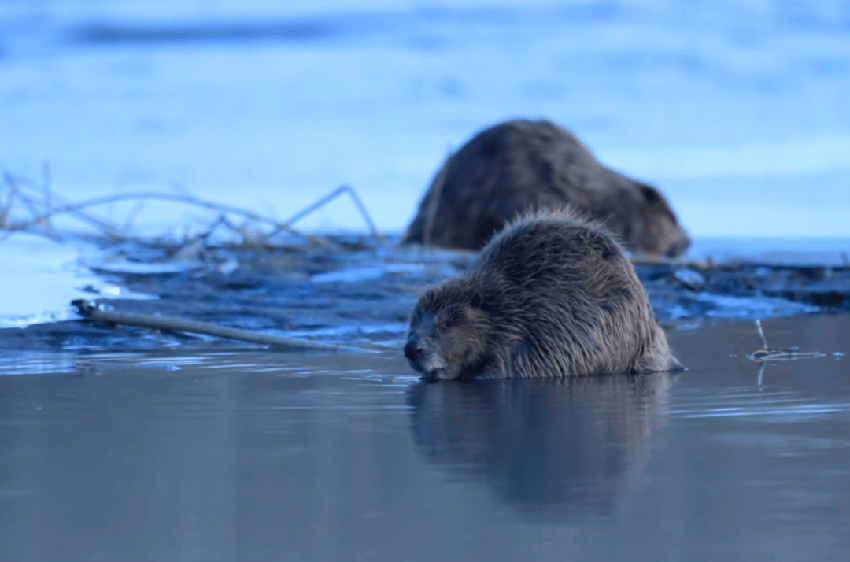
{"points": [[547, 448], [260, 456]]}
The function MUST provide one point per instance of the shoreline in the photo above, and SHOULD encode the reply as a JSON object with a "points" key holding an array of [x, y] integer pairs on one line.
{"points": [[358, 295]]}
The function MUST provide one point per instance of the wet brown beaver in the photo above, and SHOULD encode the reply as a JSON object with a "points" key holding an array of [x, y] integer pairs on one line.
{"points": [[521, 165], [551, 295]]}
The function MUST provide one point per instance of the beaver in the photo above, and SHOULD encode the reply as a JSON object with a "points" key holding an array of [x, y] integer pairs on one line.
{"points": [[523, 165], [551, 295]]}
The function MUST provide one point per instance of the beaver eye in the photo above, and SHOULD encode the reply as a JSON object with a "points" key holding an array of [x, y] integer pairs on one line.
{"points": [[444, 327]]}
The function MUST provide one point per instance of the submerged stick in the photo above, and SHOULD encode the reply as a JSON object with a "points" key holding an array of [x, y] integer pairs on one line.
{"points": [[91, 311], [761, 334], [766, 353]]}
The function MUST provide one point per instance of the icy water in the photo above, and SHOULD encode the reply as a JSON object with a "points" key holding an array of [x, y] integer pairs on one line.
{"points": [[228, 454]]}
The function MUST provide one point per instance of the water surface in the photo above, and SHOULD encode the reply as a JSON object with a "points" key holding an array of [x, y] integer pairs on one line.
{"points": [[233, 454]]}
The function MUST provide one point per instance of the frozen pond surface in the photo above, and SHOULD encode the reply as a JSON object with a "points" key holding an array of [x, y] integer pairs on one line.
{"points": [[737, 110], [228, 454]]}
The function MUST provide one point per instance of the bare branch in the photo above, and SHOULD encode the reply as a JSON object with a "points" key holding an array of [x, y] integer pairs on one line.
{"points": [[186, 199], [330, 197], [91, 311]]}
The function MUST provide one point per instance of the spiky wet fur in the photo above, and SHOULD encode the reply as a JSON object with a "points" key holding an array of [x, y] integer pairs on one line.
{"points": [[550, 295]]}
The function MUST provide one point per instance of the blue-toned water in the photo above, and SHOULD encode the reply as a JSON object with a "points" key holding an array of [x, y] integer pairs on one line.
{"points": [[737, 110], [122, 444], [237, 455]]}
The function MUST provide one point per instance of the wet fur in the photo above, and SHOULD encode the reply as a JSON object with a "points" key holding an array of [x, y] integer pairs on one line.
{"points": [[551, 295], [522, 165]]}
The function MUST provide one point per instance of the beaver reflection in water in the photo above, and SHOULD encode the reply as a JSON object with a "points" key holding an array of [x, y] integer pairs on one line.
{"points": [[521, 165], [550, 296], [549, 449]]}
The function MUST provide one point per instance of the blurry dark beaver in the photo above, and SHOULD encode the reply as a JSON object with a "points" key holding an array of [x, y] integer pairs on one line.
{"points": [[517, 166], [549, 296]]}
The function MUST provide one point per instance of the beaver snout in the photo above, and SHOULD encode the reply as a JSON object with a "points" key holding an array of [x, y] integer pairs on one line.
{"points": [[679, 246], [412, 350]]}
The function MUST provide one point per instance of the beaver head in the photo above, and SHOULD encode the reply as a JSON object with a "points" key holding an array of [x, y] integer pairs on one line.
{"points": [[662, 233], [449, 333]]}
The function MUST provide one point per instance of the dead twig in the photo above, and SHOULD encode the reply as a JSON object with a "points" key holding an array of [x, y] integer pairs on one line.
{"points": [[761, 334], [767, 353], [7, 224], [45, 198], [131, 216], [783, 355], [44, 206], [6, 208], [186, 199], [92, 311], [330, 197], [104, 226]]}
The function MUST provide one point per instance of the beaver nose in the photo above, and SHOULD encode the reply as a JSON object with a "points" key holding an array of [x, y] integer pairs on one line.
{"points": [[411, 349], [680, 246]]}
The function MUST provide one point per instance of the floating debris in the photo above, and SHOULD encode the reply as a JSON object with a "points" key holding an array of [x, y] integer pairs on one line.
{"points": [[767, 353]]}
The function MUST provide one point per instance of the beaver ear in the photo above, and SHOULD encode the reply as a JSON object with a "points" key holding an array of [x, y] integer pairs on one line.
{"points": [[649, 193], [477, 301]]}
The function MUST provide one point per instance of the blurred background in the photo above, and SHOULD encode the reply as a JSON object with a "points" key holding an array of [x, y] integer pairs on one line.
{"points": [[737, 110]]}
